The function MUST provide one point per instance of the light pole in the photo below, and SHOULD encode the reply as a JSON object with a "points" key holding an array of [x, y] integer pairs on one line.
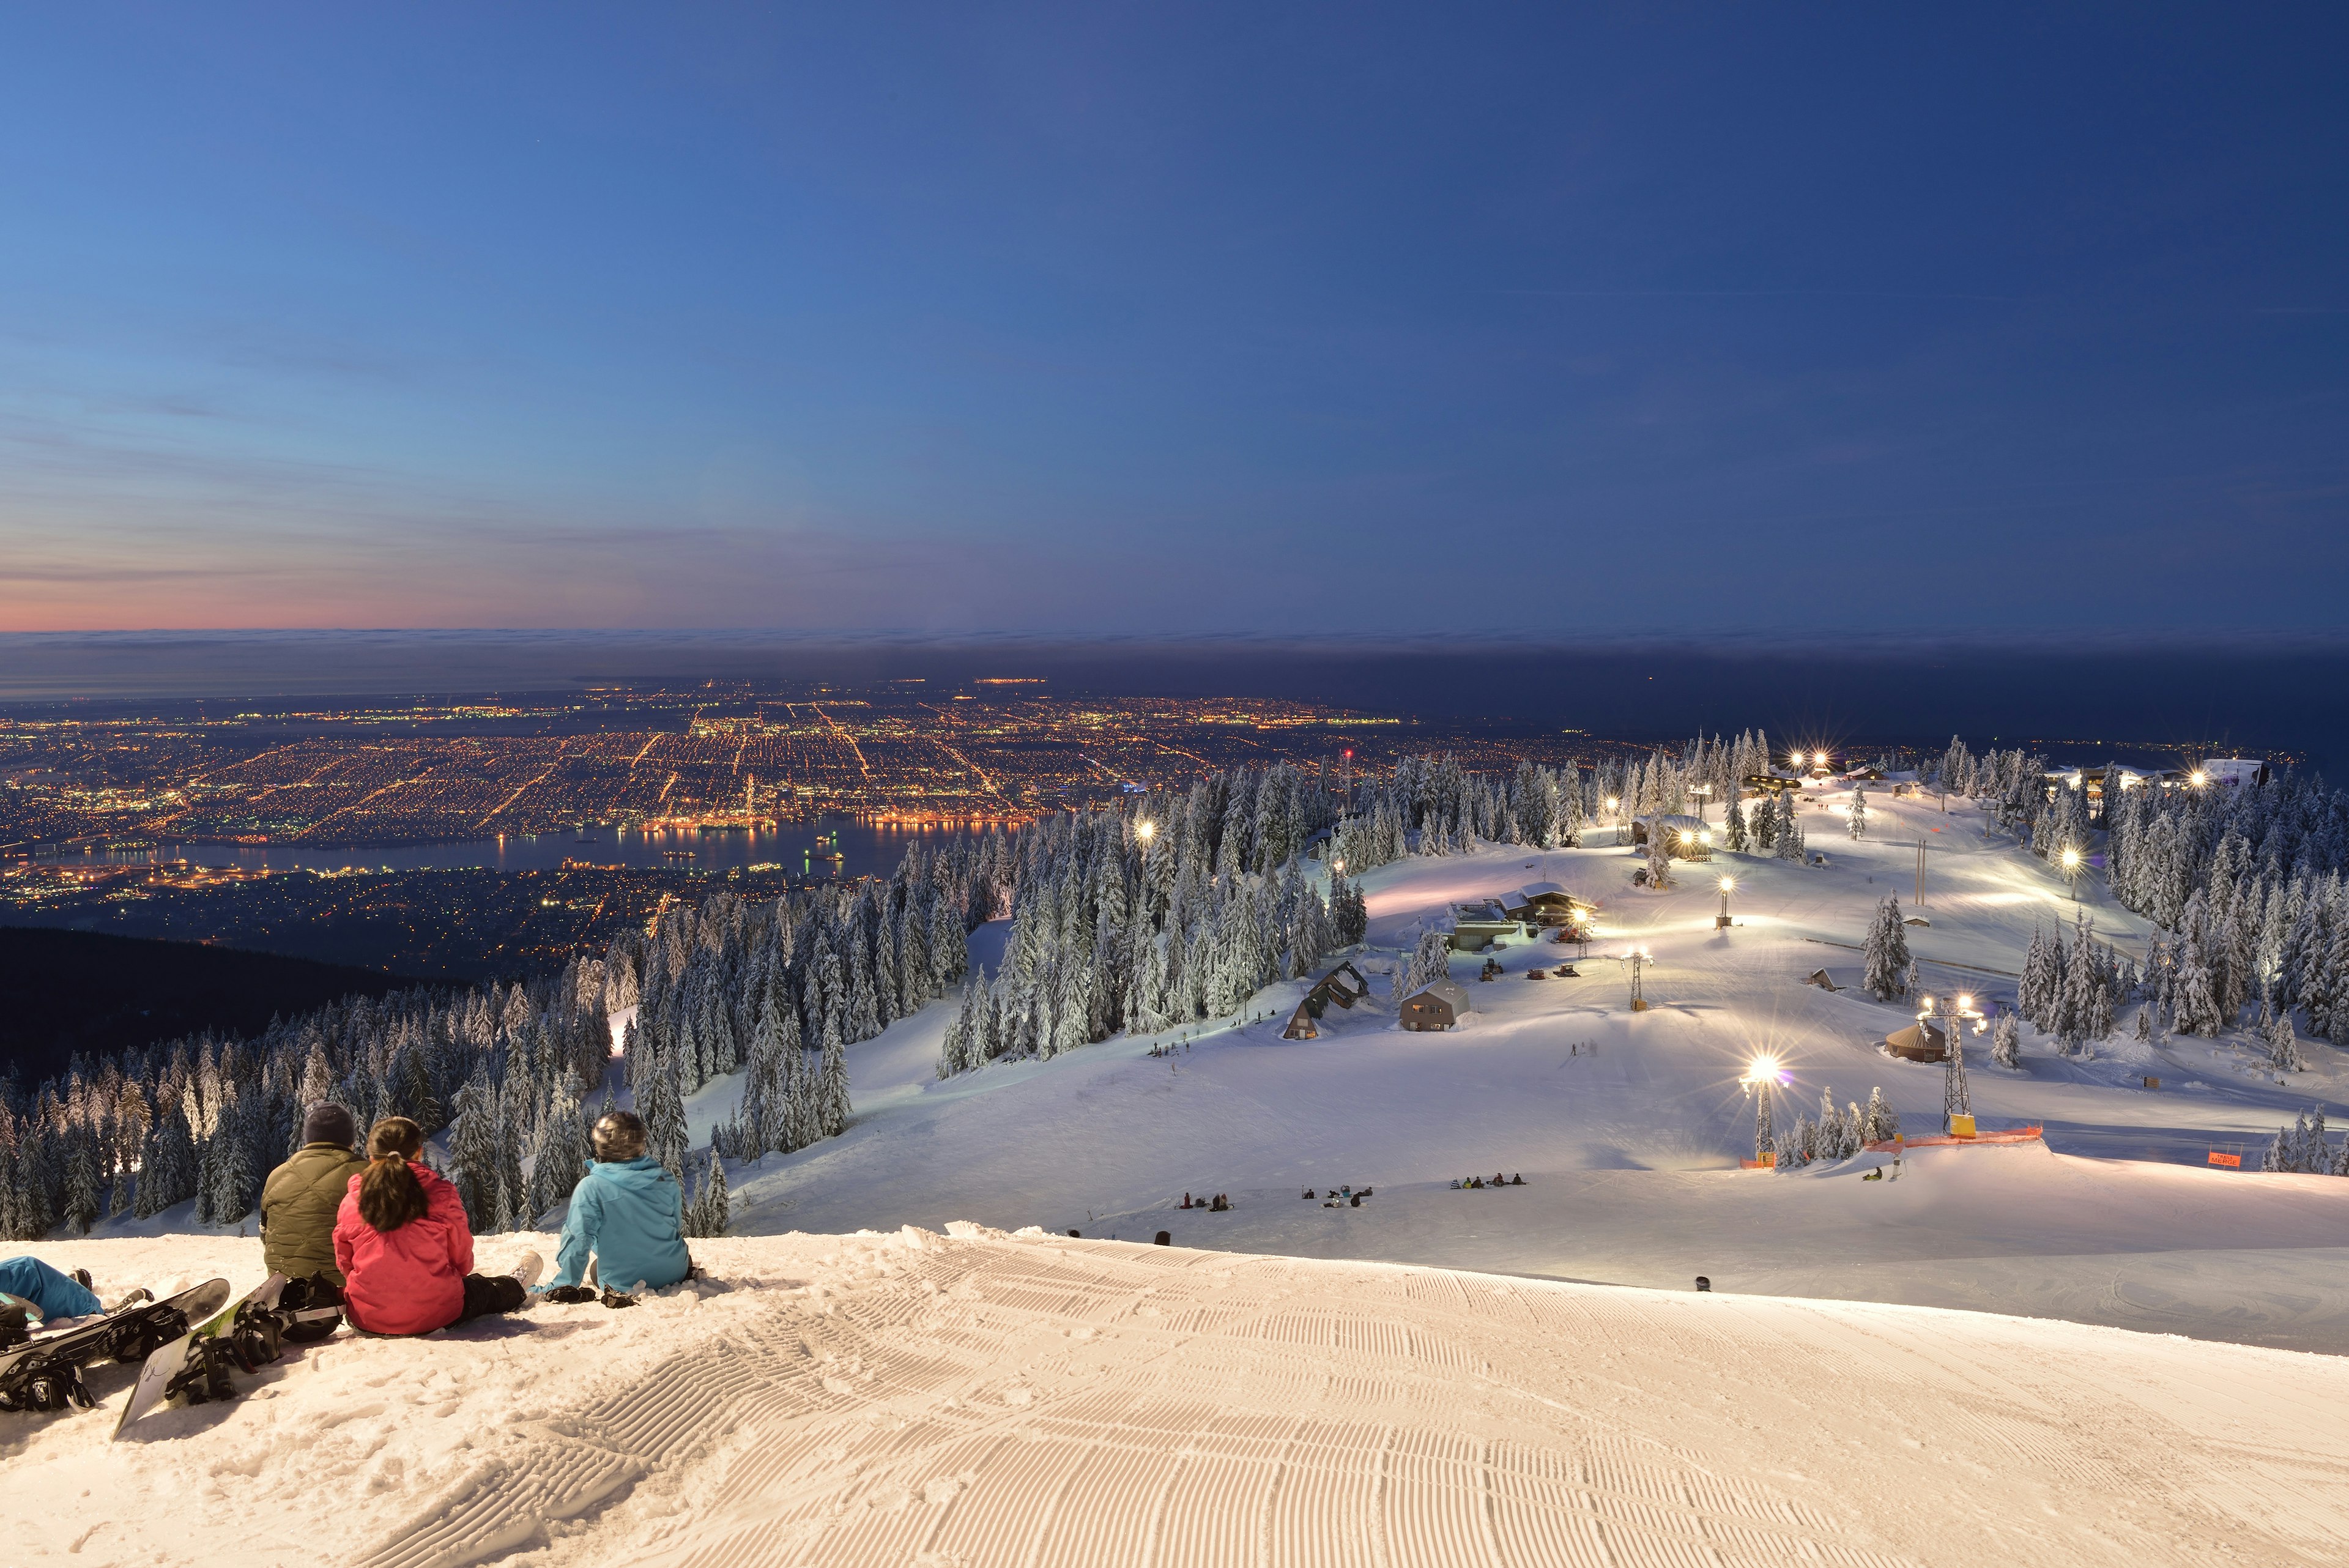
{"points": [[2072, 871], [1955, 1013], [1702, 793], [1728, 885], [1762, 1079], [1640, 960], [1612, 804]]}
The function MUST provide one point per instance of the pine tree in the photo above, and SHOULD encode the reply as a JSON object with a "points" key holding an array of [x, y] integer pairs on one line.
{"points": [[82, 1202], [2284, 1047], [2006, 1042], [1858, 819], [833, 1087], [715, 1204], [1880, 1122], [1885, 952], [473, 1153], [661, 1102]]}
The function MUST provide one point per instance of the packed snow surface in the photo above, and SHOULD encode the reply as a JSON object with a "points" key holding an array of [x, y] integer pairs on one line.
{"points": [[988, 1399], [1628, 1127]]}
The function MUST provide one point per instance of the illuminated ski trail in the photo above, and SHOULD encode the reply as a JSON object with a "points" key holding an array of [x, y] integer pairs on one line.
{"points": [[1044, 1402]]}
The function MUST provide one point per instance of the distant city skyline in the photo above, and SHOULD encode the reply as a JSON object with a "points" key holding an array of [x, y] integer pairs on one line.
{"points": [[1078, 322]]}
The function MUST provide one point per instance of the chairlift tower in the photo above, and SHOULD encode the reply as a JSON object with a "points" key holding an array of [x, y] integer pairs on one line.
{"points": [[1639, 959], [1955, 1013]]}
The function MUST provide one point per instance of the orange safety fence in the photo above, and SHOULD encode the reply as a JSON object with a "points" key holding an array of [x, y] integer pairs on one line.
{"points": [[2002, 1135], [2233, 1161]]}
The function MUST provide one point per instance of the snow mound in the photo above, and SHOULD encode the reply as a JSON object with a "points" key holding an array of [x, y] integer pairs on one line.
{"points": [[983, 1400]]}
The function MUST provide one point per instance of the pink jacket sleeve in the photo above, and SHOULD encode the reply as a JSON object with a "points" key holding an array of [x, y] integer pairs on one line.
{"points": [[346, 1219], [449, 1209]]}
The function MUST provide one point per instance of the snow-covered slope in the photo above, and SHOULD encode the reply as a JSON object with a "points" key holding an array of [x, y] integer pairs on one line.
{"points": [[912, 1398], [1628, 1128]]}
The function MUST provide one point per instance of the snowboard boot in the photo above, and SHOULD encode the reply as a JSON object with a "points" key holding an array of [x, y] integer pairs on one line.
{"points": [[529, 1269]]}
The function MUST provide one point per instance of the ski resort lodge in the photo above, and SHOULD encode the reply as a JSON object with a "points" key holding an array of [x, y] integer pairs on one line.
{"points": [[1437, 1005]]}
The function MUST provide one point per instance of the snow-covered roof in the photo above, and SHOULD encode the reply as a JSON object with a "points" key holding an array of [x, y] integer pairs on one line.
{"points": [[1451, 991], [1533, 890]]}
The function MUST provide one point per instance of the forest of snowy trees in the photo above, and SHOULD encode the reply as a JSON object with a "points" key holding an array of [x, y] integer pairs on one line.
{"points": [[1176, 907], [508, 1070]]}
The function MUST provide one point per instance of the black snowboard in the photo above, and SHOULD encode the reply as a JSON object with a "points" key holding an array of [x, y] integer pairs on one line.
{"points": [[45, 1374]]}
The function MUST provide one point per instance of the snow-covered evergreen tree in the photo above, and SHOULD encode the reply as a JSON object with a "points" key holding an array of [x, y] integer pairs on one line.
{"points": [[1885, 954]]}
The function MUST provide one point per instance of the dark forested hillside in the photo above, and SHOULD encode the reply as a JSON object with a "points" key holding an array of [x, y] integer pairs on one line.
{"points": [[62, 991]]}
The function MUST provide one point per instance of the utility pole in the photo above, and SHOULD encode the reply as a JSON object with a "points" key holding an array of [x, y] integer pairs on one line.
{"points": [[1920, 873]]}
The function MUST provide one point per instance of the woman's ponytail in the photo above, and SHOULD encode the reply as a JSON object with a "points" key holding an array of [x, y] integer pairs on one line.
{"points": [[389, 1194]]}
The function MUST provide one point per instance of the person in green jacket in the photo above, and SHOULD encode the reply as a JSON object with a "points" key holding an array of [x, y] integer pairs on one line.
{"points": [[301, 1198]]}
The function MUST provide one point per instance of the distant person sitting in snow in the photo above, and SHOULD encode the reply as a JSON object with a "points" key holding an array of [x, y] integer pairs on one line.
{"points": [[1519, 1180], [405, 1249], [53, 1296], [628, 1212]]}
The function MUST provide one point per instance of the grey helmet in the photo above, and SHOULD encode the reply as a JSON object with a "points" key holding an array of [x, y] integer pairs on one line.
{"points": [[618, 1135]]}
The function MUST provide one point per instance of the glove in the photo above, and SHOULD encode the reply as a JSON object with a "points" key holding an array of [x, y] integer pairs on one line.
{"points": [[613, 1298], [570, 1293]]}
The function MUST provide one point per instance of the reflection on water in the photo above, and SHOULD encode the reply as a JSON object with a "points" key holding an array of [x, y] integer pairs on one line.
{"points": [[829, 846]]}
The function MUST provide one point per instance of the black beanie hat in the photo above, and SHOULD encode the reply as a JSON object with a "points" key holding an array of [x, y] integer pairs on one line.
{"points": [[329, 1124]]}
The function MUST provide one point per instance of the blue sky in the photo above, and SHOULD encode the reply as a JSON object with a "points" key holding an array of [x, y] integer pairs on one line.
{"points": [[1122, 319]]}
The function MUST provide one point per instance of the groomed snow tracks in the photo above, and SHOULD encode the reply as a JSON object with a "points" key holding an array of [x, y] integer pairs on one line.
{"points": [[1056, 1404]]}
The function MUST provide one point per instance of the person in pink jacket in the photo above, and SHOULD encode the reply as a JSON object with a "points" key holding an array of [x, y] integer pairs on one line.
{"points": [[404, 1247]]}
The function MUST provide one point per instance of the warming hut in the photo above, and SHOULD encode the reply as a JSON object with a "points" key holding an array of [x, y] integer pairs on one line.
{"points": [[1918, 1043], [1437, 1005], [1329, 988]]}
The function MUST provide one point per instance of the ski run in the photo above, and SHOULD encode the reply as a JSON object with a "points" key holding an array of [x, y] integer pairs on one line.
{"points": [[2094, 1346]]}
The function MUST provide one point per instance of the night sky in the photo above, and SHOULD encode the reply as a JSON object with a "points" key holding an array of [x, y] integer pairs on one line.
{"points": [[1187, 318]]}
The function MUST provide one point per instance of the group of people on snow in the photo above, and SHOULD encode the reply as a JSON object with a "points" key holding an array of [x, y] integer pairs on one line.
{"points": [[1341, 1196], [1498, 1180], [385, 1237]]}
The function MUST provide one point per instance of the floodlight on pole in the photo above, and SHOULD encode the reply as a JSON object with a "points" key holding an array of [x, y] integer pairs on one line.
{"points": [[2071, 858], [1762, 1077], [1955, 1013], [1728, 885]]}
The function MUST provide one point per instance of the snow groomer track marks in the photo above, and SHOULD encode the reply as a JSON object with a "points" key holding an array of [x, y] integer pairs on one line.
{"points": [[1045, 1402]]}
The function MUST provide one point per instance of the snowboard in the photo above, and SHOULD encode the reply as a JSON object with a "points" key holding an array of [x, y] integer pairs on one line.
{"points": [[162, 1375], [44, 1373]]}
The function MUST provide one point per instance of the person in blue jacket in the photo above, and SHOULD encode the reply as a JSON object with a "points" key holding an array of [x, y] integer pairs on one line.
{"points": [[55, 1295], [627, 1213]]}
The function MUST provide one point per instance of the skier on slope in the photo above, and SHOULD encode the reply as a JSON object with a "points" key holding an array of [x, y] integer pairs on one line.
{"points": [[627, 1216], [405, 1248]]}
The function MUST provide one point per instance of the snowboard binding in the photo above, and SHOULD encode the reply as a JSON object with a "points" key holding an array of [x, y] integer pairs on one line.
{"points": [[49, 1388]]}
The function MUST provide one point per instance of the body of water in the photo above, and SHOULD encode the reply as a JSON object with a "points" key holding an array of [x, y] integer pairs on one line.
{"points": [[827, 847]]}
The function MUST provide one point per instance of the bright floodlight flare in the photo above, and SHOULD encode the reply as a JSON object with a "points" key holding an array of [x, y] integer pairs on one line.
{"points": [[2199, 779], [2070, 860], [1144, 830], [1761, 1069], [1729, 884]]}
